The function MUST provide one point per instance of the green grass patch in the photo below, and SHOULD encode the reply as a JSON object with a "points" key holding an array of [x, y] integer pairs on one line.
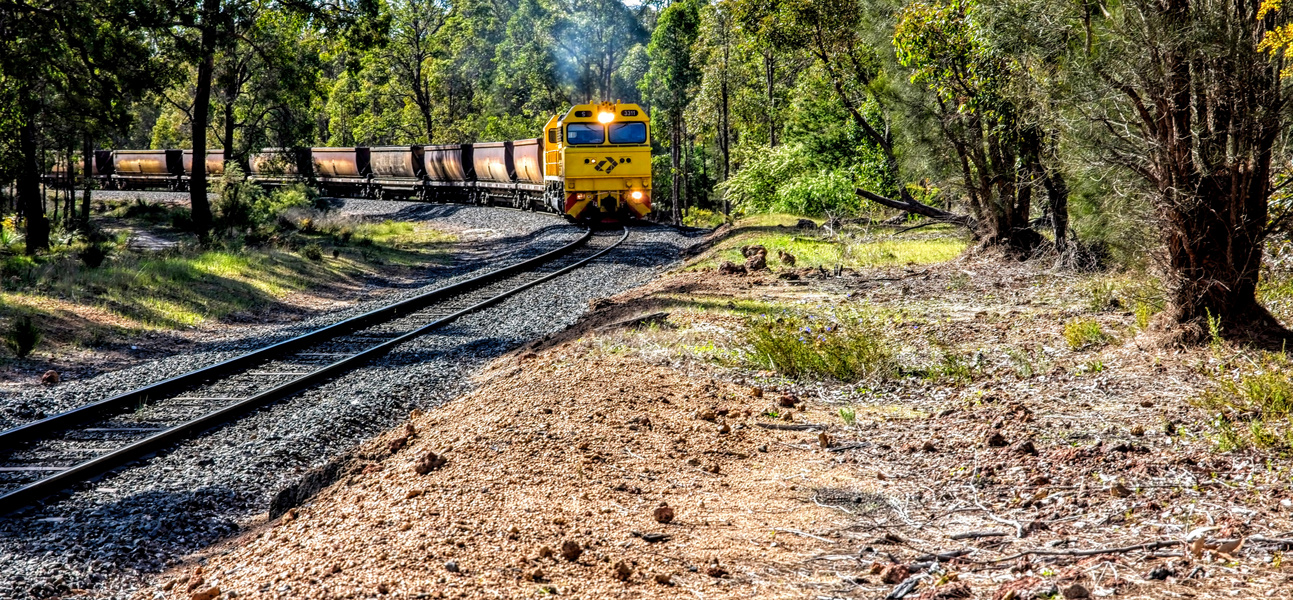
{"points": [[843, 346], [1252, 406], [1081, 334], [814, 250]]}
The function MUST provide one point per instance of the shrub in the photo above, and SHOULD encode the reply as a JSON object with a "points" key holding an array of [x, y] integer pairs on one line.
{"points": [[1253, 407], [22, 336], [93, 255], [1081, 333], [847, 348], [312, 252]]}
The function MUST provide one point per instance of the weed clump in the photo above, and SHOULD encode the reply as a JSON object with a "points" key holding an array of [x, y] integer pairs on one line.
{"points": [[22, 336], [312, 252], [846, 348], [1084, 333], [93, 255], [1253, 408]]}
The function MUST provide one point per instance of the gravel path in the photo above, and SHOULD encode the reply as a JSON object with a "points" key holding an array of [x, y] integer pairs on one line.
{"points": [[110, 534]]}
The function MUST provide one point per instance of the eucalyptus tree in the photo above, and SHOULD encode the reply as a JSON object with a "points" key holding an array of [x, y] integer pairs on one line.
{"points": [[670, 83]]}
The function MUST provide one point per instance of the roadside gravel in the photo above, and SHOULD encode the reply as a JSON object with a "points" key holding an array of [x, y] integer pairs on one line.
{"points": [[110, 535]]}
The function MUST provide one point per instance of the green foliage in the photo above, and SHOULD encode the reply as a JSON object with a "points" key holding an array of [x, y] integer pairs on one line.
{"points": [[245, 206], [847, 347], [1253, 405], [22, 336], [785, 180], [1084, 333], [312, 251], [849, 415]]}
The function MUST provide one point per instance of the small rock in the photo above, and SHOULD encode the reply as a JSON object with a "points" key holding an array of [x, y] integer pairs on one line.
{"points": [[824, 440], [1075, 591], [730, 268], [757, 392], [663, 579], [713, 468], [753, 250], [50, 378], [725, 429], [397, 444], [716, 571], [1169, 427], [546, 552], [758, 262], [1119, 490], [207, 594], [763, 448], [1160, 573], [693, 461], [929, 446], [663, 514], [536, 576], [1138, 430], [570, 550], [412, 494], [788, 400], [1025, 447], [996, 440], [452, 566], [621, 571], [894, 573], [707, 415], [382, 588], [1147, 403], [430, 462]]}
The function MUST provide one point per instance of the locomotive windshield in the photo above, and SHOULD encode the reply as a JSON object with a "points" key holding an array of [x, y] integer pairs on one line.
{"points": [[585, 133], [628, 133]]}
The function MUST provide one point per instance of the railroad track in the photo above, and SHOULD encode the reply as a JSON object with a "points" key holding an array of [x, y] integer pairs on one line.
{"points": [[44, 457]]}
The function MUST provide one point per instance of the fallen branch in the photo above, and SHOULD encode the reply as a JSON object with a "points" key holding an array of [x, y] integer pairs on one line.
{"points": [[974, 535], [849, 447], [1091, 552], [910, 205], [780, 427]]}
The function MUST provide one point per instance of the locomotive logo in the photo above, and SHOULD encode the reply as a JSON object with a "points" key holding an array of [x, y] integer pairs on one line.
{"points": [[603, 163]]}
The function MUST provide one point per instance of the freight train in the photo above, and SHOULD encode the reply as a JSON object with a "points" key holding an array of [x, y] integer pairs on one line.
{"points": [[592, 163]]}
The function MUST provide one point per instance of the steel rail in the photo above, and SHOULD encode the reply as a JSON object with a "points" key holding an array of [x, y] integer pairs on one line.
{"points": [[37, 490]]}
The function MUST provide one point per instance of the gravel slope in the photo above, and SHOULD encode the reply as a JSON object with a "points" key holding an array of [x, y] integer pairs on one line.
{"points": [[108, 535]]}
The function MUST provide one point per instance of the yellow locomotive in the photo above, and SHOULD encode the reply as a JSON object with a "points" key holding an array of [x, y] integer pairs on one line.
{"points": [[597, 162]]}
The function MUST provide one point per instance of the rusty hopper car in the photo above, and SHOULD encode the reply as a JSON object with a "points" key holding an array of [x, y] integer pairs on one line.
{"points": [[450, 172], [214, 162], [398, 171], [147, 168], [282, 166], [342, 171]]}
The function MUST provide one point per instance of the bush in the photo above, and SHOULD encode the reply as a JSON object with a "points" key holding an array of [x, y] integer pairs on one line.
{"points": [[93, 255], [22, 336], [1081, 333], [243, 205], [785, 179], [847, 348], [1253, 407], [312, 252]]}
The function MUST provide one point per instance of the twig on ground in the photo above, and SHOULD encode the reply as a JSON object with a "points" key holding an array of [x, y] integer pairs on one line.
{"points": [[1019, 529], [805, 534], [972, 535], [1089, 552], [780, 427]]}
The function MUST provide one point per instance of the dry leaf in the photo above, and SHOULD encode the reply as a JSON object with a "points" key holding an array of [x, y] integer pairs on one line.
{"points": [[1231, 546], [1196, 548]]}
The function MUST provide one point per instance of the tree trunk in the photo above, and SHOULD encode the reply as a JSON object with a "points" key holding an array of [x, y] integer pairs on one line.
{"points": [[772, 128], [29, 190], [674, 158], [198, 201], [724, 139], [1057, 201], [87, 157]]}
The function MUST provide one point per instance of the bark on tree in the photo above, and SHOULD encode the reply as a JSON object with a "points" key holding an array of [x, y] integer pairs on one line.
{"points": [[87, 181], [199, 204], [29, 189], [675, 141]]}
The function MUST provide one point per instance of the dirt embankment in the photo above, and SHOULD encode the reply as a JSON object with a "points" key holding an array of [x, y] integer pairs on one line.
{"points": [[554, 476]]}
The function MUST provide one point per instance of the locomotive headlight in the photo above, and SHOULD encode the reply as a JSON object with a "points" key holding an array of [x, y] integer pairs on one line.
{"points": [[605, 117], [637, 194]]}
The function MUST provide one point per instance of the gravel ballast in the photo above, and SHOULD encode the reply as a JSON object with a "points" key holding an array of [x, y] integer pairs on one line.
{"points": [[110, 534]]}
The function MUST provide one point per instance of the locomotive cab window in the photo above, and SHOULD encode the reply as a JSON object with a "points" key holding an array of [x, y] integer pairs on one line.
{"points": [[585, 133], [628, 133]]}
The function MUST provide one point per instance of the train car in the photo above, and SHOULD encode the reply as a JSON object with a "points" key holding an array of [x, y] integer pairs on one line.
{"points": [[274, 167], [214, 163], [342, 171], [398, 171], [598, 163], [133, 169], [450, 173]]}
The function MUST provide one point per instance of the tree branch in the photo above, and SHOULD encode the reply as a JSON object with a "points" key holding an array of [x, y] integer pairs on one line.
{"points": [[912, 206]]}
